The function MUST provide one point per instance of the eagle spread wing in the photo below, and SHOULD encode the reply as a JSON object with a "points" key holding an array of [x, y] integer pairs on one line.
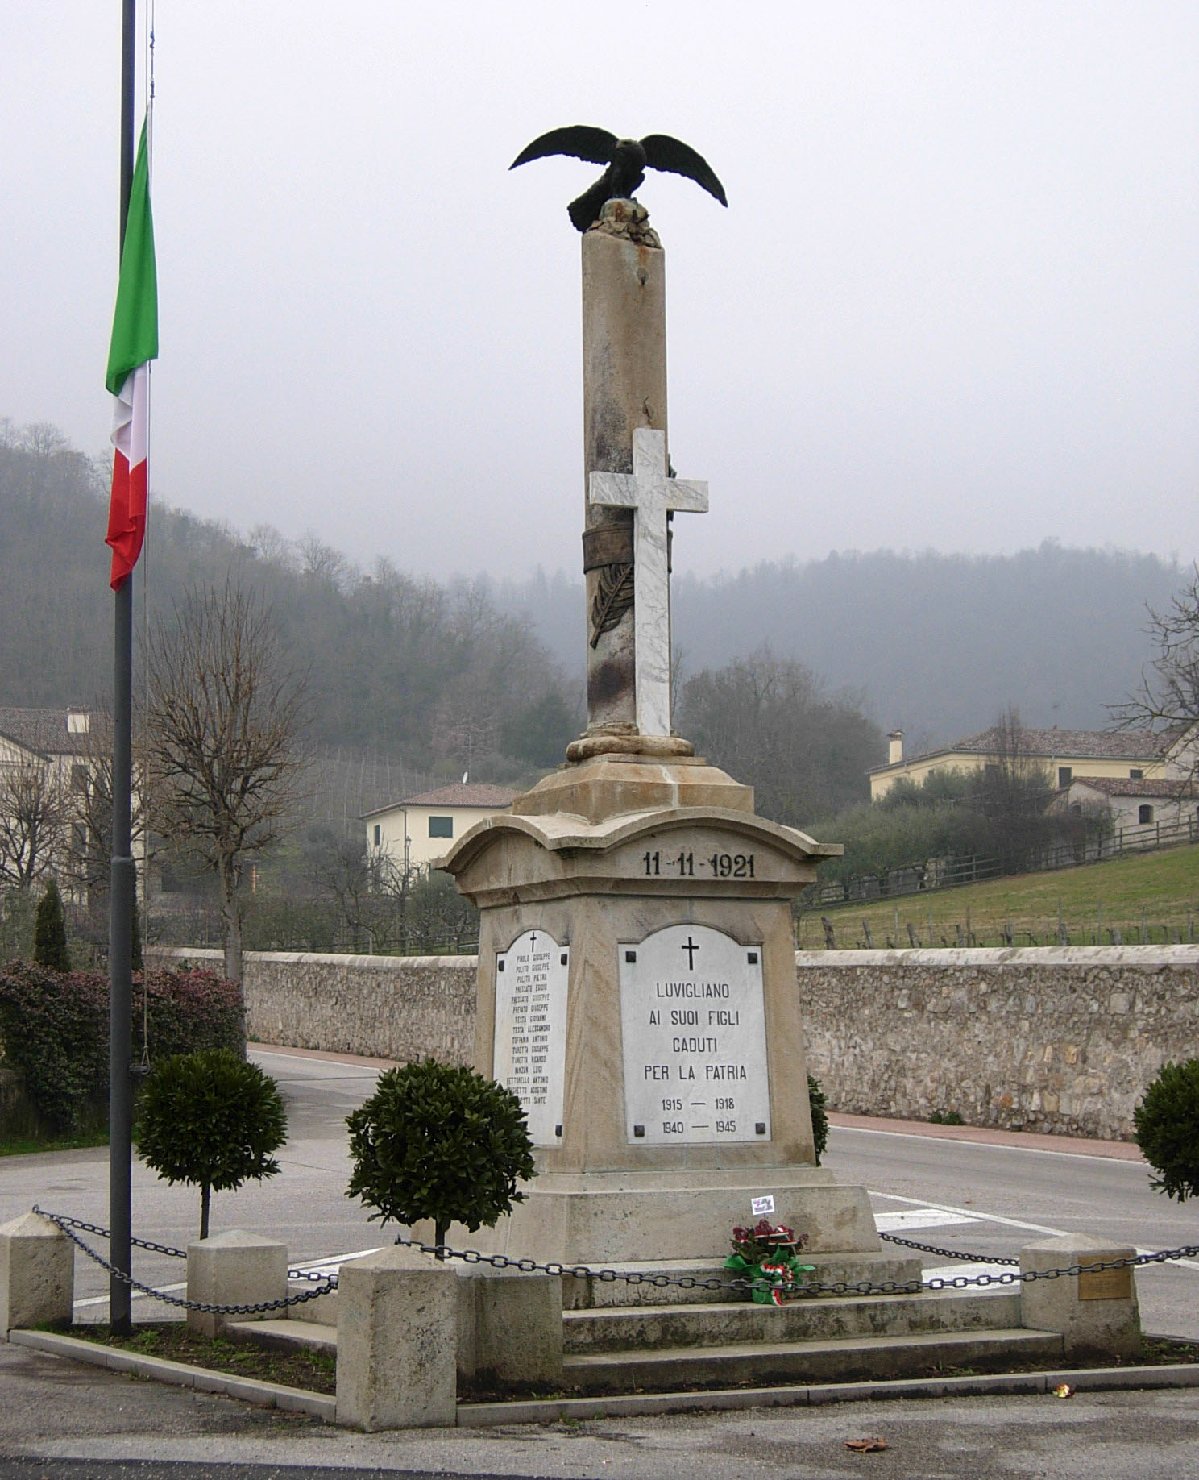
{"points": [[624, 161], [580, 140], [664, 153]]}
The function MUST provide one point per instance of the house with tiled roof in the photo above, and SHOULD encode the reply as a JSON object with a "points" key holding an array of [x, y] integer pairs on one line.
{"points": [[49, 734], [46, 761], [1126, 755], [1135, 808], [412, 833]]}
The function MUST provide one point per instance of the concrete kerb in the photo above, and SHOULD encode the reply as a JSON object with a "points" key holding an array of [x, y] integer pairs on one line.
{"points": [[180, 1374], [553, 1410]]}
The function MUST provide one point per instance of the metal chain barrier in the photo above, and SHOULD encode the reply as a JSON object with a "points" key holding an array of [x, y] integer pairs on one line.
{"points": [[908, 1243], [809, 1288], [327, 1283]]}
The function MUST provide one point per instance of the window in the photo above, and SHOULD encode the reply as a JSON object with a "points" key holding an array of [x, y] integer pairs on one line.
{"points": [[1065, 774], [441, 827], [1136, 774], [1144, 812], [378, 834]]}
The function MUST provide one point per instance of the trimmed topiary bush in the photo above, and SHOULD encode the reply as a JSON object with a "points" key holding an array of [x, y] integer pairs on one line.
{"points": [[1167, 1129], [442, 1142], [816, 1103], [50, 931], [210, 1119]]}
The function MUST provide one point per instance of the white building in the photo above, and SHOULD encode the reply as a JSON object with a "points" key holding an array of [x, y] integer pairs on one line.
{"points": [[415, 831], [47, 757]]}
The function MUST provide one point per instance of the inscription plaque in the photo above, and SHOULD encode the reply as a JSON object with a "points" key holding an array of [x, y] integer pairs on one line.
{"points": [[693, 1025], [529, 1054], [1103, 1284]]}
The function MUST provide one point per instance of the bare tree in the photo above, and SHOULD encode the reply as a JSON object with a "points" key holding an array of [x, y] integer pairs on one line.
{"points": [[1168, 698], [1012, 791], [88, 864], [771, 722], [223, 716], [370, 891], [35, 820]]}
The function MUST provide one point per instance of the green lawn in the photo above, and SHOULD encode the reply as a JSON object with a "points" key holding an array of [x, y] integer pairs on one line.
{"points": [[1152, 898]]}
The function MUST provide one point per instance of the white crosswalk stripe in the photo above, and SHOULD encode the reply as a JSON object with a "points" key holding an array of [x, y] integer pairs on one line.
{"points": [[908, 1221]]}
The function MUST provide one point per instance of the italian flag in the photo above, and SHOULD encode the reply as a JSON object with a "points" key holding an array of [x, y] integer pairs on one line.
{"points": [[134, 345]]}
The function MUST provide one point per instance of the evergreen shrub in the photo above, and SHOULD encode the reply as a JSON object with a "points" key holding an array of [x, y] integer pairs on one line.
{"points": [[442, 1142], [1167, 1129], [54, 1032], [210, 1119], [50, 931], [817, 1105]]}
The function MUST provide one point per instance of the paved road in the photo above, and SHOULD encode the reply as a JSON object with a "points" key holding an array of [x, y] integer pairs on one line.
{"points": [[58, 1419], [937, 1189], [55, 1411], [991, 1199]]}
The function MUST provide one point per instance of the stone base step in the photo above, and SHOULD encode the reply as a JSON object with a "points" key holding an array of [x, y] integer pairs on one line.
{"points": [[846, 1360], [851, 1269], [284, 1335], [320, 1312], [650, 1328]]}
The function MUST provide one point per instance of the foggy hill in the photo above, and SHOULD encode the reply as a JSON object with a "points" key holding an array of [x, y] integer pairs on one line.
{"points": [[488, 674], [936, 645], [406, 679]]}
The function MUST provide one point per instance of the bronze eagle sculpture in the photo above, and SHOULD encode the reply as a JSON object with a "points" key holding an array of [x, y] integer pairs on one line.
{"points": [[626, 161]]}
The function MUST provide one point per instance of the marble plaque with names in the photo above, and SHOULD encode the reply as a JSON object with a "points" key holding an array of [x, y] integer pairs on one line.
{"points": [[530, 1030], [693, 1025]]}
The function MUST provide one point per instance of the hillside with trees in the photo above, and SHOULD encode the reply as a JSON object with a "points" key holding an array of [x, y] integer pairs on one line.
{"points": [[411, 681], [933, 644], [436, 679]]}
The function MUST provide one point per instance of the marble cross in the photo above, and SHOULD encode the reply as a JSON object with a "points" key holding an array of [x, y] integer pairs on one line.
{"points": [[652, 496]]}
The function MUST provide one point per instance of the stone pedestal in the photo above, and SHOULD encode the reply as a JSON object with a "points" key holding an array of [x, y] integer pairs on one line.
{"points": [[397, 1323], [234, 1268], [637, 989], [37, 1274], [1096, 1311], [509, 1327]]}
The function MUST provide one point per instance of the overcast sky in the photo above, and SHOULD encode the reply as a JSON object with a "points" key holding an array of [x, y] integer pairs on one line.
{"points": [[953, 304]]}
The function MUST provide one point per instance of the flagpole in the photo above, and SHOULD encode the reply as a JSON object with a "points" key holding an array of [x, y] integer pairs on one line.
{"points": [[121, 887]]}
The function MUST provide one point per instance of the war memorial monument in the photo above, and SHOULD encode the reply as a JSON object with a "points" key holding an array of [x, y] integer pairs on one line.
{"points": [[636, 980]]}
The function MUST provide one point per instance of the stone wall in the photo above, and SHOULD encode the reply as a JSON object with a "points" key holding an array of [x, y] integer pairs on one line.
{"points": [[388, 1007], [1045, 1038]]}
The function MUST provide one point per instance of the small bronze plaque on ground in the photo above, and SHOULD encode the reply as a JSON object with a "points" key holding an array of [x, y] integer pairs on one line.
{"points": [[1104, 1284]]}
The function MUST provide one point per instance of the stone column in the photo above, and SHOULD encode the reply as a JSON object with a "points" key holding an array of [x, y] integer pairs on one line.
{"points": [[234, 1268], [624, 387]]}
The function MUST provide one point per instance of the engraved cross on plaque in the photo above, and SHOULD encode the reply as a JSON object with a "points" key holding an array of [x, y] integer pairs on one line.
{"points": [[652, 496]]}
